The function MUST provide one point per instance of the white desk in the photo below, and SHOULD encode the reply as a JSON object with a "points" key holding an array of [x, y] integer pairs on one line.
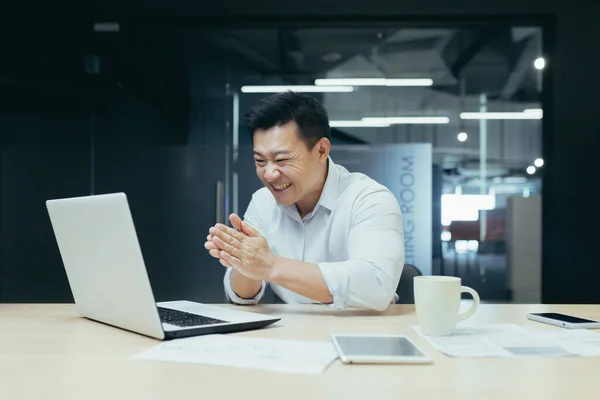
{"points": [[48, 352]]}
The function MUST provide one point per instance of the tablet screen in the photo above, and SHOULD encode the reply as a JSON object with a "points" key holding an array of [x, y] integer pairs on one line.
{"points": [[397, 346]]}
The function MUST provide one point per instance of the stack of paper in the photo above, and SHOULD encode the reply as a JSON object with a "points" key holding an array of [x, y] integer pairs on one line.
{"points": [[291, 356], [508, 340]]}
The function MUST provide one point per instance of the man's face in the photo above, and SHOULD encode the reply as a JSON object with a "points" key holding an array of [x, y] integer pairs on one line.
{"points": [[285, 165]]}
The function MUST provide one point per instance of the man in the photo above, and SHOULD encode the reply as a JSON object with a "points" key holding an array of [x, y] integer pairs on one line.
{"points": [[315, 232]]}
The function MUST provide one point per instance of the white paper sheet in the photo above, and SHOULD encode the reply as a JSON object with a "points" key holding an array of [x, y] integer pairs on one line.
{"points": [[290, 356], [508, 341], [583, 342]]}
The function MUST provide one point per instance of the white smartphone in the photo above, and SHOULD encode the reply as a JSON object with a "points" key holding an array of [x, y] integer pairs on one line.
{"points": [[378, 349], [564, 320]]}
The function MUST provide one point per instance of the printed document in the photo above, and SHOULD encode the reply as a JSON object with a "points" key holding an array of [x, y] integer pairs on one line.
{"points": [[290, 356], [509, 340]]}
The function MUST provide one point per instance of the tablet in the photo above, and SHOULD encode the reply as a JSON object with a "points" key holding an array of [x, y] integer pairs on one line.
{"points": [[381, 349]]}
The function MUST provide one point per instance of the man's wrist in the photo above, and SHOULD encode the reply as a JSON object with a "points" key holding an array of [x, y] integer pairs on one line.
{"points": [[242, 286], [275, 274], [300, 277]]}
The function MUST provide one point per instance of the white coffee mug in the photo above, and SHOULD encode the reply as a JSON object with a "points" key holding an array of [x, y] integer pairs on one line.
{"points": [[437, 301]]}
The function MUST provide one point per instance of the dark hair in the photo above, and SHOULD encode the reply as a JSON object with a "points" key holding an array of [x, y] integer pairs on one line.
{"points": [[279, 109]]}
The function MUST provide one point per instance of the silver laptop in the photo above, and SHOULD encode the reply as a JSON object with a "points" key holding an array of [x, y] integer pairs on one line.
{"points": [[99, 247]]}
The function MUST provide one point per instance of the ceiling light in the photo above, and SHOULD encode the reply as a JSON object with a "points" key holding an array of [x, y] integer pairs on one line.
{"points": [[538, 162], [539, 63], [446, 236], [409, 120], [106, 27], [331, 57], [531, 170], [357, 124], [534, 112], [374, 82], [353, 82], [462, 137], [501, 115], [408, 82], [296, 88]]}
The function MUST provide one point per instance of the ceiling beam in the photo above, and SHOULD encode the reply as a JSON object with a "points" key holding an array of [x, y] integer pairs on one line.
{"points": [[522, 67], [338, 134], [231, 42], [481, 39]]}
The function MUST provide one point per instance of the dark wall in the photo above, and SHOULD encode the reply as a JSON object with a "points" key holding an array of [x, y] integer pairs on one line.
{"points": [[30, 268], [50, 155], [332, 9], [67, 132], [172, 201], [436, 217], [44, 153], [571, 145]]}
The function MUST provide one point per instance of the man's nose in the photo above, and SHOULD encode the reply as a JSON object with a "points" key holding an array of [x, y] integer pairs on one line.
{"points": [[271, 173]]}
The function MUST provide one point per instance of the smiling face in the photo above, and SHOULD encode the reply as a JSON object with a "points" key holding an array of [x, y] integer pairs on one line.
{"points": [[293, 173]]}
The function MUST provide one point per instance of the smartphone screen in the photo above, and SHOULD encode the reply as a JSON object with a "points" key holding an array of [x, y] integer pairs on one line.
{"points": [[565, 318]]}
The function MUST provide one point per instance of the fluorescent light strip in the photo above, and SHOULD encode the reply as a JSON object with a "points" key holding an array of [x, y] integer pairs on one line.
{"points": [[374, 82], [357, 124], [296, 88], [534, 111], [502, 115], [410, 120], [409, 82], [106, 27]]}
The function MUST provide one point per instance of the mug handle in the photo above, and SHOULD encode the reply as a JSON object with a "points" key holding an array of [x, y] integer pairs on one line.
{"points": [[473, 308]]}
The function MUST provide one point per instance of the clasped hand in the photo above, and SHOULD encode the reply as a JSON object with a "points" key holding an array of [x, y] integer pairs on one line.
{"points": [[242, 248]]}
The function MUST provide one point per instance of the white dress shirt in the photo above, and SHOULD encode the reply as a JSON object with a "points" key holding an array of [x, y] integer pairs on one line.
{"points": [[354, 235]]}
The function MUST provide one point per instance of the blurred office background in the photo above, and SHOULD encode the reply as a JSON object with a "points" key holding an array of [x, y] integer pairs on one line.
{"points": [[151, 103]]}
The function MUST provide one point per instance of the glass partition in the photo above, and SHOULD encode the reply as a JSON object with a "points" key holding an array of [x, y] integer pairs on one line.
{"points": [[470, 95]]}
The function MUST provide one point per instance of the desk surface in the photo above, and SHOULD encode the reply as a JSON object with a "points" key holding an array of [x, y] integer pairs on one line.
{"points": [[47, 351]]}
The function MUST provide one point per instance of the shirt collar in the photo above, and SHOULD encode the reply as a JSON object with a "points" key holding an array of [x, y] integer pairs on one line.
{"points": [[329, 194]]}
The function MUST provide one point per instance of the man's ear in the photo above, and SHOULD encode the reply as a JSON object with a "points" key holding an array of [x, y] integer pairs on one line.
{"points": [[323, 147]]}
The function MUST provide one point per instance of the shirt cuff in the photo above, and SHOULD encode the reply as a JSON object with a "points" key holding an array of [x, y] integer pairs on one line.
{"points": [[234, 298], [338, 283]]}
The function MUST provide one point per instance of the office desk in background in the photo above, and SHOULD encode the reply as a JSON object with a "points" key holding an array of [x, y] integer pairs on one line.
{"points": [[48, 352]]}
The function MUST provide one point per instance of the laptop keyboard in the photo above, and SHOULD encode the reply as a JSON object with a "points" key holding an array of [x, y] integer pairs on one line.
{"points": [[181, 318]]}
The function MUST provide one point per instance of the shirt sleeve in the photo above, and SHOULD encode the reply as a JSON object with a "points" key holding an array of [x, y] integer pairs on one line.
{"points": [[234, 298], [370, 276], [252, 218]]}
